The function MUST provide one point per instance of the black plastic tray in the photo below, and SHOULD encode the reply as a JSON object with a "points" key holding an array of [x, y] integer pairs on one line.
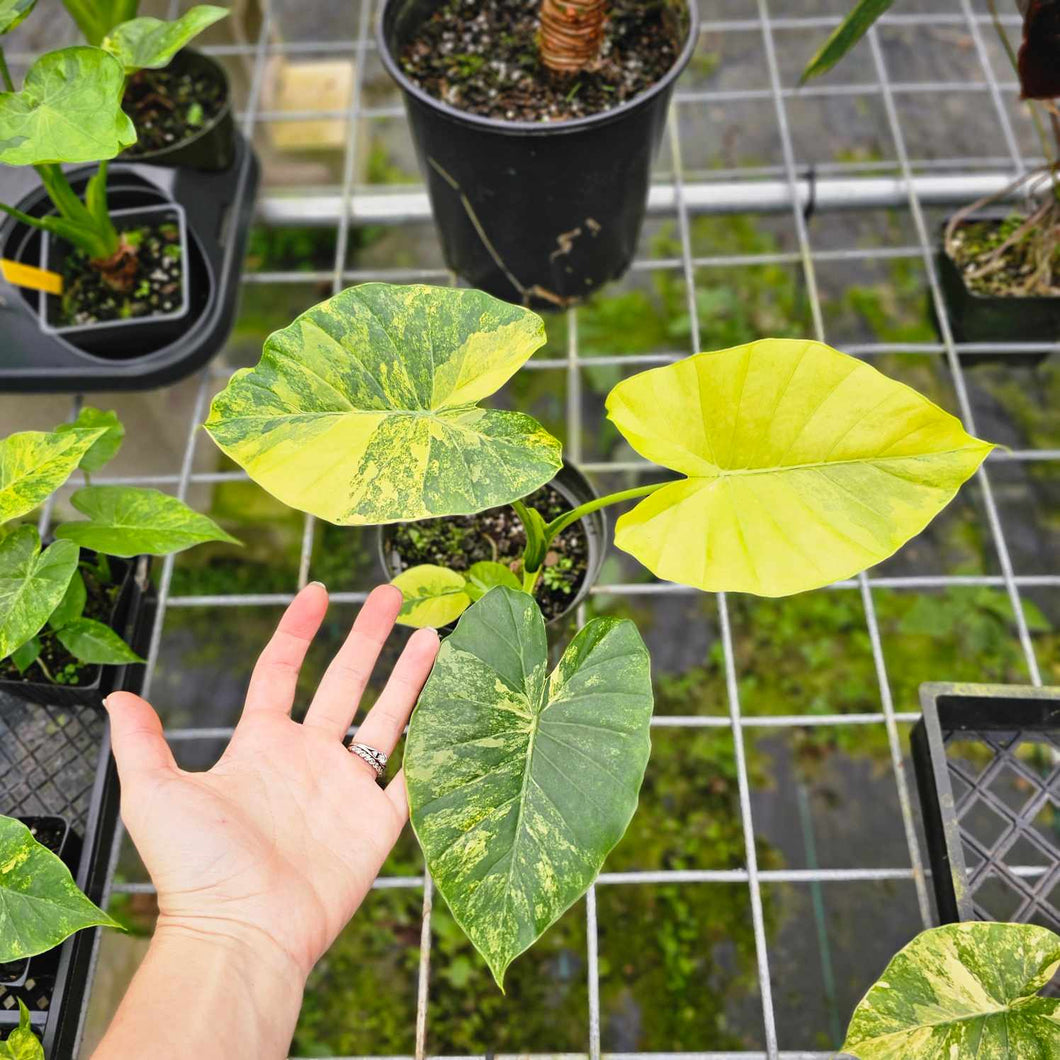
{"points": [[219, 208], [987, 761]]}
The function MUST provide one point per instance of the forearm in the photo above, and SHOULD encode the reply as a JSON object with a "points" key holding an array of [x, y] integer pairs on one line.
{"points": [[206, 995]]}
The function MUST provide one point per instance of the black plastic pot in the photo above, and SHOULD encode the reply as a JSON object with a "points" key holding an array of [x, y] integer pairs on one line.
{"points": [[123, 338], [56, 834], [101, 679], [576, 490], [536, 213], [995, 318], [989, 780], [219, 210], [212, 146]]}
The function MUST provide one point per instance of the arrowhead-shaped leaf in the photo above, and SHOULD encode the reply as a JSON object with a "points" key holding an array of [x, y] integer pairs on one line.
{"points": [[32, 585], [107, 445], [963, 990], [33, 465], [804, 466], [521, 783], [130, 521], [22, 1043], [150, 43], [69, 110], [13, 13], [40, 904], [364, 409], [433, 596]]}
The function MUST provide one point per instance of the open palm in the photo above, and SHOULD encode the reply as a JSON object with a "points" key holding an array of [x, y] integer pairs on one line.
{"points": [[282, 838]]}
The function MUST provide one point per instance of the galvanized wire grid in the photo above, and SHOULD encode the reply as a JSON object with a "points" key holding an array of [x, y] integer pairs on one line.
{"points": [[767, 187]]}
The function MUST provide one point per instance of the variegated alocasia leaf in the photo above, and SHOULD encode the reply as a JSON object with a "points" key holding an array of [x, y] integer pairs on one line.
{"points": [[93, 642], [13, 13], [32, 585], [365, 409], [150, 43], [484, 575], [105, 448], [433, 596], [963, 990], [40, 904], [520, 783], [131, 521], [69, 110], [22, 1043], [804, 466], [33, 465]]}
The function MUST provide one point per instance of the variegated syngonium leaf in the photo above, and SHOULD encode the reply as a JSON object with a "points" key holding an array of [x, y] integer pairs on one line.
{"points": [[365, 409], [963, 990], [520, 783], [804, 466], [34, 464]]}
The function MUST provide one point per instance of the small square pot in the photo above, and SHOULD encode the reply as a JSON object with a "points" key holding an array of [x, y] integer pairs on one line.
{"points": [[105, 336]]}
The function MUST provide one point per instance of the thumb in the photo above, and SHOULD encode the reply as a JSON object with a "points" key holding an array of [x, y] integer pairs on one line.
{"points": [[136, 736]]}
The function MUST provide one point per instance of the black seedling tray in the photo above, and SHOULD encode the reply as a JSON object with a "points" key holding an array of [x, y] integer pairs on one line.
{"points": [[219, 208], [987, 761]]}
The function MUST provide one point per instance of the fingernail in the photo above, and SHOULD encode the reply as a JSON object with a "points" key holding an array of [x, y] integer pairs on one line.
{"points": [[106, 703], [321, 584]]}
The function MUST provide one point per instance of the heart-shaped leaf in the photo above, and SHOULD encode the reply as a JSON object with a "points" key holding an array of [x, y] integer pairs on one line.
{"points": [[150, 43], [40, 904], [130, 521], [106, 446], [32, 585], [485, 575], [804, 465], [364, 409], [69, 110], [13, 13], [33, 465], [433, 596], [963, 990], [72, 605], [93, 642], [521, 783], [22, 1043]]}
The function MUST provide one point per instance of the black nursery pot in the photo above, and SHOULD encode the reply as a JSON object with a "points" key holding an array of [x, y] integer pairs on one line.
{"points": [[132, 575], [56, 834], [576, 490], [995, 318], [537, 213], [211, 147]]}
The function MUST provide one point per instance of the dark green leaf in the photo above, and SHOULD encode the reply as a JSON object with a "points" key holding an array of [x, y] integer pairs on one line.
{"points": [[107, 445], [846, 35], [93, 642], [73, 603], [27, 655], [484, 575], [32, 585]]}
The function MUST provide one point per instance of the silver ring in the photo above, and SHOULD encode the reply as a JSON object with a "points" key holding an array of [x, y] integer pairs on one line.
{"points": [[375, 758]]}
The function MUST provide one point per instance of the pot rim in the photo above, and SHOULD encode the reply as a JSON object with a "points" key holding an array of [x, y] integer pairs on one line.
{"points": [[536, 128]]}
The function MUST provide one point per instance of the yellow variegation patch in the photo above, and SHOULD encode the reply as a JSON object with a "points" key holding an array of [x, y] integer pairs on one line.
{"points": [[804, 466], [364, 410], [34, 464], [433, 596]]}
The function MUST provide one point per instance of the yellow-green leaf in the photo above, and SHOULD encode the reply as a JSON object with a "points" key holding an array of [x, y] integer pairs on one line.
{"points": [[150, 43], [13, 12], [32, 585], [963, 991], [804, 466], [365, 409], [33, 465], [485, 575], [22, 1043], [107, 445], [434, 596]]}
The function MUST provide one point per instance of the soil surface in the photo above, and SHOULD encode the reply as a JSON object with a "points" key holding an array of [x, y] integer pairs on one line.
{"points": [[156, 291], [482, 56], [459, 541], [169, 106], [63, 667], [974, 242]]}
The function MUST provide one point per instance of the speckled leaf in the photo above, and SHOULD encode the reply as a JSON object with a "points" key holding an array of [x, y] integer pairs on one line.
{"points": [[962, 991], [22, 1043], [72, 605], [365, 410], [40, 904], [69, 110], [13, 13], [433, 596], [150, 43], [33, 465], [521, 783], [804, 466], [32, 585], [130, 521], [106, 446], [484, 575]]}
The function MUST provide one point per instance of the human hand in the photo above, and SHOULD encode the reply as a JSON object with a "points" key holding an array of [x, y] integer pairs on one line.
{"points": [[275, 847]]}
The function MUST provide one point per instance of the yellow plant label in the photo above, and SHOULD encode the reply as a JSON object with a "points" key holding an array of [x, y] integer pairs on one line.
{"points": [[32, 277]]}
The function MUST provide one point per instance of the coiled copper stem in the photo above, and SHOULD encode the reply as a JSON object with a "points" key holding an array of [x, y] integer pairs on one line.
{"points": [[571, 33]]}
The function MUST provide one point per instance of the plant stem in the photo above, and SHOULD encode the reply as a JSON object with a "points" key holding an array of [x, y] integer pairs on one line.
{"points": [[5, 73], [44, 669]]}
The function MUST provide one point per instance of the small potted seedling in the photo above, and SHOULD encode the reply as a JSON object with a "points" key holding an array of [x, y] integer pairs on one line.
{"points": [[63, 607], [999, 266], [178, 99], [536, 131], [789, 466]]}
